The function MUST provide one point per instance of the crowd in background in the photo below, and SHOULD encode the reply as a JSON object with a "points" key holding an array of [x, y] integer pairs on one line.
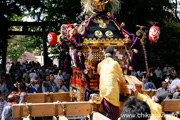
{"points": [[31, 77], [28, 78], [164, 80]]}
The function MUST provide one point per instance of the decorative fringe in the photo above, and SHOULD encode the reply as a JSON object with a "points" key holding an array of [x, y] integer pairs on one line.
{"points": [[88, 6], [115, 7]]}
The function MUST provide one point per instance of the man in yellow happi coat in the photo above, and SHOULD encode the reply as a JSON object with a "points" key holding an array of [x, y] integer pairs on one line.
{"points": [[154, 103], [110, 77]]}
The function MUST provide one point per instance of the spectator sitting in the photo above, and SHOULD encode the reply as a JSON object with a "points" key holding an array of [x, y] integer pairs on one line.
{"points": [[3, 104], [62, 86], [22, 93], [174, 82], [14, 88], [33, 86], [176, 94], [39, 81], [149, 85], [168, 79], [7, 112], [49, 86], [59, 76], [137, 108], [32, 74], [53, 85], [162, 92], [163, 89], [3, 88], [133, 72]]}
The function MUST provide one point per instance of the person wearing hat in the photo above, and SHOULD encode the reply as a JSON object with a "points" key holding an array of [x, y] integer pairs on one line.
{"points": [[111, 76]]}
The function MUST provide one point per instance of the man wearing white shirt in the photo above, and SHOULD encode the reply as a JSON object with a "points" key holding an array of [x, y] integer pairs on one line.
{"points": [[32, 74], [166, 69], [158, 73]]}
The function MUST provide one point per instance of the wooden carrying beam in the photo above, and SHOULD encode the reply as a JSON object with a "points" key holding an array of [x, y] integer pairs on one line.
{"points": [[48, 97], [172, 105], [51, 109]]}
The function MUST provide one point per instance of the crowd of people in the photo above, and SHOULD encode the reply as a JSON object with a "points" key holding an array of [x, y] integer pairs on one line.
{"points": [[33, 78], [28, 78], [167, 79]]}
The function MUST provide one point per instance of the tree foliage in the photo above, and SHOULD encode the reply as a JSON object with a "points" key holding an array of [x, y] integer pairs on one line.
{"points": [[133, 12]]}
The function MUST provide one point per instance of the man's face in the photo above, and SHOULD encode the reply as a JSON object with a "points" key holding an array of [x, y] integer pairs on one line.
{"points": [[60, 82], [166, 65], [47, 78], [158, 68], [164, 85], [0, 80], [52, 78], [174, 89], [59, 72]]}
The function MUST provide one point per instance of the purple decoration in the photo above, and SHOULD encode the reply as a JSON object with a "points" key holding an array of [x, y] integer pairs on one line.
{"points": [[134, 42], [113, 111], [64, 45], [145, 56], [67, 64], [79, 60], [88, 90], [75, 56]]}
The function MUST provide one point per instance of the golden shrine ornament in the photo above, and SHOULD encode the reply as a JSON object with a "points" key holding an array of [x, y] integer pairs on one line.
{"points": [[85, 71], [103, 25], [98, 34], [109, 34]]}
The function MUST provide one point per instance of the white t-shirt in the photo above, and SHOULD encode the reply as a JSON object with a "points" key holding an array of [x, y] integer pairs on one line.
{"points": [[33, 75]]}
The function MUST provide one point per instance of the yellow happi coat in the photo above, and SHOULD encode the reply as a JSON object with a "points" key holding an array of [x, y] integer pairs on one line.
{"points": [[156, 108], [110, 77]]}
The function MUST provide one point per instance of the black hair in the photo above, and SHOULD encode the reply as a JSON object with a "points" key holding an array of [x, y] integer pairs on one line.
{"points": [[32, 70], [22, 86], [0, 92], [56, 72], [135, 109], [40, 76]]}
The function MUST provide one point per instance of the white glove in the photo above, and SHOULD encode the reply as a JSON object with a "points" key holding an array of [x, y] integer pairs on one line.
{"points": [[132, 87]]}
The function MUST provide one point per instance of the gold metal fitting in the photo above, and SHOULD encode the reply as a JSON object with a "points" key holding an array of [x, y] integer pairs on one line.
{"points": [[85, 71], [79, 53], [103, 25], [98, 34], [130, 68], [122, 24], [86, 17], [108, 14], [109, 34], [135, 51]]}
